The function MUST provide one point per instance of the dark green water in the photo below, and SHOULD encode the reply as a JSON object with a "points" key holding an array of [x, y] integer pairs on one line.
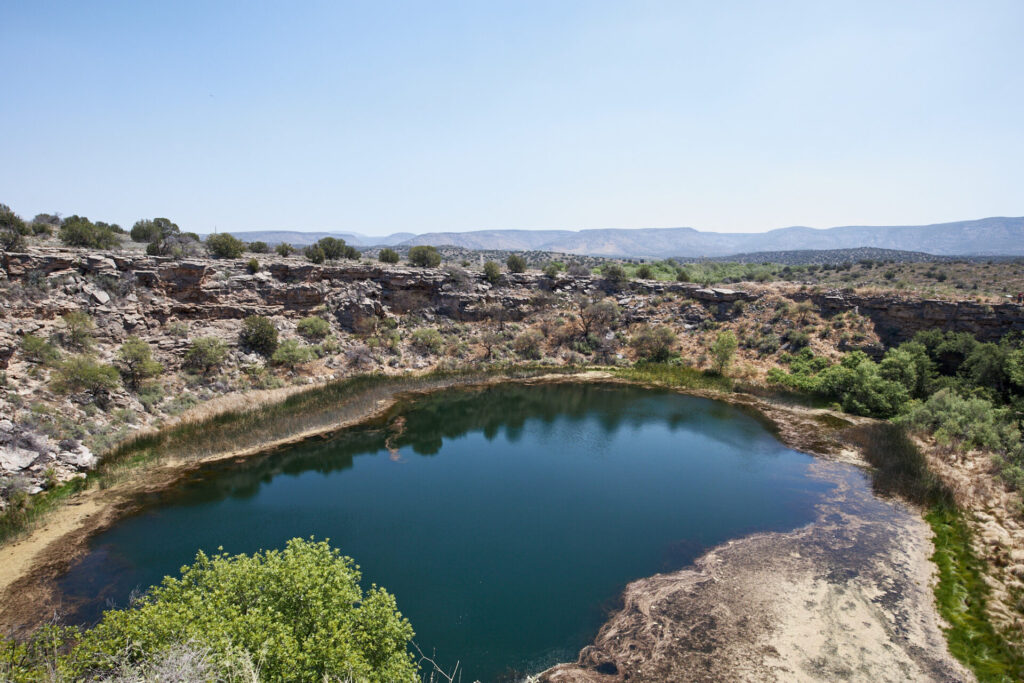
{"points": [[508, 523]]}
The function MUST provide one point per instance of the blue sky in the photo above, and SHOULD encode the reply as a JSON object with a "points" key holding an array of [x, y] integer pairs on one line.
{"points": [[384, 116]]}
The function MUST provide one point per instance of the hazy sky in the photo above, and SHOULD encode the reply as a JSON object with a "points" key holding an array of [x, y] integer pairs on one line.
{"points": [[383, 116]]}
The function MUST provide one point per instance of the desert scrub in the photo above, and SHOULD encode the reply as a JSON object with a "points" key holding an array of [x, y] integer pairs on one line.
{"points": [[675, 376], [427, 339], [313, 328], [205, 353]]}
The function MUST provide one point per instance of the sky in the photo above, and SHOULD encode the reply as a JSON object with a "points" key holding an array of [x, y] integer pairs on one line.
{"points": [[383, 116]]}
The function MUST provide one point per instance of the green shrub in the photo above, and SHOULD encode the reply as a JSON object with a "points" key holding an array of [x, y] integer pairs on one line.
{"points": [[424, 257], [644, 272], [38, 350], [291, 353], [797, 339], [224, 245], [161, 233], [12, 230], [614, 274], [150, 395], [258, 334], [258, 247], [653, 344], [528, 344], [284, 249], [492, 272], [83, 374], [136, 360], [313, 327], [299, 613], [553, 268], [315, 254], [388, 256], [516, 264], [253, 266], [428, 339], [78, 231], [205, 353], [966, 423]]}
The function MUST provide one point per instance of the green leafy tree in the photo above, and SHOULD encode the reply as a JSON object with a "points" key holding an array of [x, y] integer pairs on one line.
{"points": [[135, 358], [492, 272], [284, 249], [388, 256], [300, 612], [78, 374], [861, 389], [315, 253], [516, 264], [78, 231], [332, 247], [314, 327], [224, 245], [654, 343], [723, 349], [161, 234], [205, 353], [259, 334], [910, 365], [425, 257]]}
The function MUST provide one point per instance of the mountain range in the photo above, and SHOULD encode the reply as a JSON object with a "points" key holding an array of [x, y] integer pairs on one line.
{"points": [[995, 236]]}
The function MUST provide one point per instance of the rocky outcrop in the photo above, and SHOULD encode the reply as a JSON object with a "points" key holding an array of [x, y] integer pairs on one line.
{"points": [[899, 319], [30, 461]]}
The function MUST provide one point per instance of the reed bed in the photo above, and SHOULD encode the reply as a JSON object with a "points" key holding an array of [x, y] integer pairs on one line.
{"points": [[252, 425]]}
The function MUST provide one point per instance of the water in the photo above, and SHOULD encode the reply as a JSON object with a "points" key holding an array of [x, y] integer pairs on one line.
{"points": [[506, 520]]}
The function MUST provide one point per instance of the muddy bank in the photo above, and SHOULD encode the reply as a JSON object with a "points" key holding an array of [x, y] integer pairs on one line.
{"points": [[848, 597]]}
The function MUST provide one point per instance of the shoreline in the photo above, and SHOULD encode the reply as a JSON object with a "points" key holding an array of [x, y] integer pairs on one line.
{"points": [[30, 565]]}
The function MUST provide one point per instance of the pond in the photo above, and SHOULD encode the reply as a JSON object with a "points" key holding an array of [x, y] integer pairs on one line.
{"points": [[506, 520]]}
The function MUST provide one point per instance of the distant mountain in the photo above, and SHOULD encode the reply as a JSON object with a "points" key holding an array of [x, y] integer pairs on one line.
{"points": [[987, 236], [983, 237], [301, 239], [805, 257]]}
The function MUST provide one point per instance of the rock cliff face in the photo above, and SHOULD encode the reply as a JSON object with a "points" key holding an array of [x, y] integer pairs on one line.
{"points": [[898, 319], [132, 294]]}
